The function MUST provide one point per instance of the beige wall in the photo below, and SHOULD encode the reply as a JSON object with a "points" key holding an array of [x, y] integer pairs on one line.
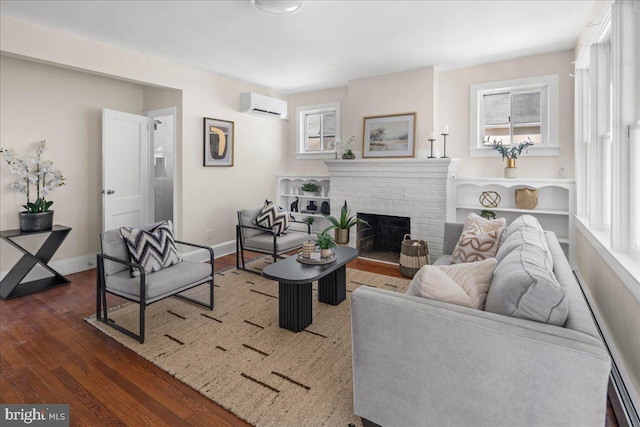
{"points": [[442, 97], [64, 107], [304, 100], [405, 92], [619, 309], [453, 109], [210, 196]]}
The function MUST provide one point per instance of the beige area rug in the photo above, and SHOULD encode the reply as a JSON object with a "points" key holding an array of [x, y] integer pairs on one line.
{"points": [[238, 356]]}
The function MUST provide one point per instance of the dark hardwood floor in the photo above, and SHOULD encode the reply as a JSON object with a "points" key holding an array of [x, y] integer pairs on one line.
{"points": [[49, 354]]}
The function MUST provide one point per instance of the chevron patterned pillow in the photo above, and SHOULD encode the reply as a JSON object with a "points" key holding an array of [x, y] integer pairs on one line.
{"points": [[153, 250], [272, 216]]}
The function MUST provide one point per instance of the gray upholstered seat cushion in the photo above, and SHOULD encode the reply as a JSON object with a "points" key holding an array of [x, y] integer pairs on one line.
{"points": [[160, 283], [264, 242], [523, 283]]}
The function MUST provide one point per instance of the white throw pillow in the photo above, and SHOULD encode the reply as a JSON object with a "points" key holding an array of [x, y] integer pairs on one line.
{"points": [[484, 224], [476, 245], [463, 284]]}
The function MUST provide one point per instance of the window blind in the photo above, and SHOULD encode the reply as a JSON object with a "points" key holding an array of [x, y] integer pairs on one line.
{"points": [[496, 109], [526, 107]]}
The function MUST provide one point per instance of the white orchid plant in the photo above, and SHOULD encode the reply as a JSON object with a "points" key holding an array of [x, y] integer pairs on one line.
{"points": [[343, 147], [34, 171]]}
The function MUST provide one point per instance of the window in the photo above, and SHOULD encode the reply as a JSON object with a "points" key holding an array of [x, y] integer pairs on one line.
{"points": [[607, 138], [318, 126], [515, 111], [607, 176], [512, 116]]}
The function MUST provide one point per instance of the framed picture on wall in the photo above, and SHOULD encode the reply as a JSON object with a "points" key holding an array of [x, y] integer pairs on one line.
{"points": [[218, 142], [389, 136]]}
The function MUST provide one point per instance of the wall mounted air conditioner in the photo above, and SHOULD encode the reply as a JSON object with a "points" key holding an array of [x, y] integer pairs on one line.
{"points": [[261, 105]]}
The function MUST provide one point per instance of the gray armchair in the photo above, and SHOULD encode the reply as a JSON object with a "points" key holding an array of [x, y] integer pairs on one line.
{"points": [[252, 237], [114, 277]]}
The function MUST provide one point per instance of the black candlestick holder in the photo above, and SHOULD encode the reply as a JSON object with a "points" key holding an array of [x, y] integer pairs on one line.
{"points": [[444, 135], [431, 156]]}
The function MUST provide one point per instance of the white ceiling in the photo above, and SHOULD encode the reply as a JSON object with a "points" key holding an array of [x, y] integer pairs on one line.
{"points": [[324, 45]]}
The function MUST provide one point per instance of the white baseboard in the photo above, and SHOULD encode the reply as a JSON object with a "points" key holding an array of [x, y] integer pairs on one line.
{"points": [[62, 266], [219, 250], [87, 262]]}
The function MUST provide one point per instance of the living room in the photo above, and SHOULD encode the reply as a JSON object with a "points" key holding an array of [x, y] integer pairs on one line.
{"points": [[55, 84]]}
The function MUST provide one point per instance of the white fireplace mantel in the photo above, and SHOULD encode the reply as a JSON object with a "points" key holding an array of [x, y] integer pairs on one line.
{"points": [[414, 188]]}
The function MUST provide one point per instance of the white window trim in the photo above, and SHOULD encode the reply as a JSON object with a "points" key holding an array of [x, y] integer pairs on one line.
{"points": [[551, 146], [614, 245], [301, 154], [634, 192]]}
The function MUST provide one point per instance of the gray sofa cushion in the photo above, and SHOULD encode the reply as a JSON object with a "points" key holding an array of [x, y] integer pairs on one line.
{"points": [[525, 235], [524, 285], [284, 243], [159, 283]]}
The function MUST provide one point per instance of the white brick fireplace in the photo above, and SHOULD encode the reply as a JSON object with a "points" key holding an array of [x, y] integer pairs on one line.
{"points": [[414, 188]]}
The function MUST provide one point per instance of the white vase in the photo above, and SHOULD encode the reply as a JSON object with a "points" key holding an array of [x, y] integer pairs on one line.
{"points": [[511, 171], [309, 193], [325, 253]]}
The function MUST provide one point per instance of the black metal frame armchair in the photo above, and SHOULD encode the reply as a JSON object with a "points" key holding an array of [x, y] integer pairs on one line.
{"points": [[113, 277], [254, 238]]}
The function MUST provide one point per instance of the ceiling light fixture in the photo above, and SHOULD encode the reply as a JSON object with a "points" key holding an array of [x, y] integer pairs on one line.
{"points": [[277, 7]]}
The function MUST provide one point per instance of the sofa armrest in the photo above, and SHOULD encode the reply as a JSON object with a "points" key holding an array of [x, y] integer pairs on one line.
{"points": [[452, 232], [417, 362]]}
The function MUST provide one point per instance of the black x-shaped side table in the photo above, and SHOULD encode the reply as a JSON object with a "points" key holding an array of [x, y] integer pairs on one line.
{"points": [[10, 286]]}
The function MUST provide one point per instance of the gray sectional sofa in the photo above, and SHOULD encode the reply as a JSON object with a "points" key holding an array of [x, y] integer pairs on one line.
{"points": [[421, 362]]}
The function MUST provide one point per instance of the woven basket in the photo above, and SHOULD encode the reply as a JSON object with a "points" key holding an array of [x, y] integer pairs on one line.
{"points": [[526, 198], [414, 254]]}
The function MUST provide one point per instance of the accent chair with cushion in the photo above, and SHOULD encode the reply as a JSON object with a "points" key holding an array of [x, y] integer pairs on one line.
{"points": [[256, 238], [145, 267]]}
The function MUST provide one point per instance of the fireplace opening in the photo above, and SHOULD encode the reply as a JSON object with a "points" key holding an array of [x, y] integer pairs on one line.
{"points": [[382, 238]]}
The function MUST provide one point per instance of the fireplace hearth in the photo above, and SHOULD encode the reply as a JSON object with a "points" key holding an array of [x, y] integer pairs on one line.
{"points": [[382, 238]]}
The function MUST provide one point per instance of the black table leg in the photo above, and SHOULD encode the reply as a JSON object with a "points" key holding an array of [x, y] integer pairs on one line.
{"points": [[296, 312], [332, 288], [10, 286]]}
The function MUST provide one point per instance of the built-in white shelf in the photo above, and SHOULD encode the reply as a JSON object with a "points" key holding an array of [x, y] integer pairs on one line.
{"points": [[537, 211], [289, 188], [555, 210]]}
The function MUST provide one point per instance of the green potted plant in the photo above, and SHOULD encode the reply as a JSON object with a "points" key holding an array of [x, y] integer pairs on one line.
{"points": [[326, 243], [343, 224], [488, 214], [310, 189], [37, 215]]}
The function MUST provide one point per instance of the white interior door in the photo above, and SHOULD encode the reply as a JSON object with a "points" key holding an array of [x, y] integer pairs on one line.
{"points": [[125, 170]]}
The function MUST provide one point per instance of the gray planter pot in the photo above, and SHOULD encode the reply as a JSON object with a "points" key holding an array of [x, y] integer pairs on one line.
{"points": [[30, 222]]}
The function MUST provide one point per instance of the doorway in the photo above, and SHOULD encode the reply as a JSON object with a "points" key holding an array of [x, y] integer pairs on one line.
{"points": [[162, 124], [139, 167]]}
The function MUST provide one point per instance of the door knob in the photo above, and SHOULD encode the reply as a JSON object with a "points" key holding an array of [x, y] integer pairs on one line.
{"points": [[110, 191]]}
